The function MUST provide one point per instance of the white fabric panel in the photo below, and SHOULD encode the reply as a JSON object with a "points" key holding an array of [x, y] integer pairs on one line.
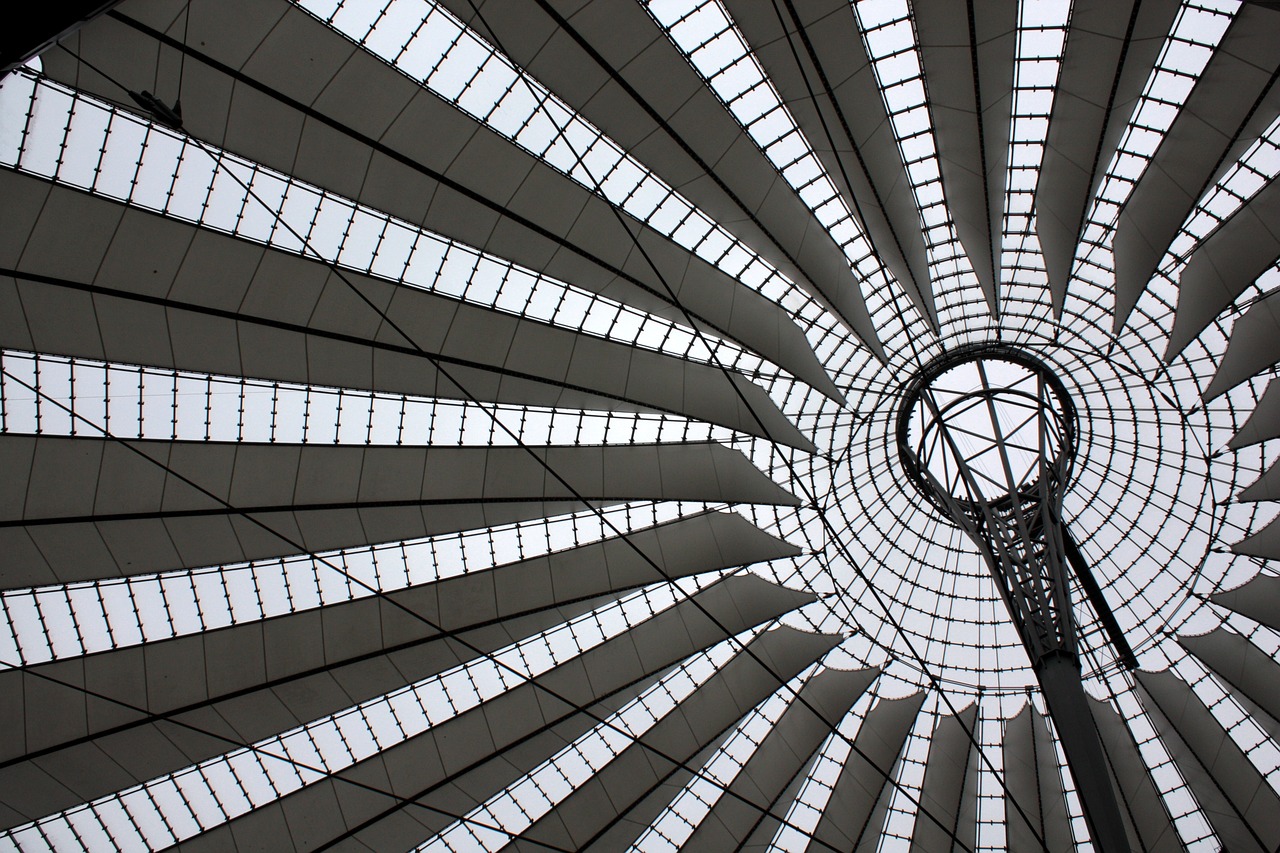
{"points": [[1085, 126], [326, 809], [157, 709], [494, 195], [1146, 820], [1241, 806], [861, 793], [260, 678], [1231, 97], [745, 183], [1226, 263], [432, 813], [1253, 675], [1265, 488], [85, 508], [877, 189], [1259, 599], [218, 304], [1034, 782], [784, 753], [612, 809], [1254, 345], [950, 789], [1262, 543], [1263, 422], [971, 116]]}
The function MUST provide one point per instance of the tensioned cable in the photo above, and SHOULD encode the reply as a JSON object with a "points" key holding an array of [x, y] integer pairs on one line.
{"points": [[384, 596], [982, 159], [403, 801], [701, 336], [857, 152], [260, 751], [564, 24], [1106, 118], [453, 635]]}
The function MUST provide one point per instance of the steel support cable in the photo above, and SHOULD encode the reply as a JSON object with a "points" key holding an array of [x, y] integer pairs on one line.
{"points": [[813, 501], [745, 403], [436, 362], [231, 509], [782, 453]]}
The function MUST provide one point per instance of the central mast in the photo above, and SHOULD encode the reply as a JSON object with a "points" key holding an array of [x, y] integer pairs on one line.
{"points": [[987, 434]]}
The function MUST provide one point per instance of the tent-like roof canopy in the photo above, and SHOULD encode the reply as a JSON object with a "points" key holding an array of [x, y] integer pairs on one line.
{"points": [[464, 424]]}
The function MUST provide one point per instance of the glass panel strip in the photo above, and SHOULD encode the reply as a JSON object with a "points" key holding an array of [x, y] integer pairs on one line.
{"points": [[522, 803], [460, 67], [180, 805], [185, 179]]}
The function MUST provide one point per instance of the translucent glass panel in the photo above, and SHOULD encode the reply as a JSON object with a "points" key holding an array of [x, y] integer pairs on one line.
{"points": [[1042, 35], [85, 143], [1152, 495], [55, 395], [57, 622], [705, 34], [458, 65], [179, 806], [892, 45], [1255, 169], [672, 828]]}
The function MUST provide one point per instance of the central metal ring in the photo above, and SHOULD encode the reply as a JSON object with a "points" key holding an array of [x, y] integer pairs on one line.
{"points": [[986, 424]]}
